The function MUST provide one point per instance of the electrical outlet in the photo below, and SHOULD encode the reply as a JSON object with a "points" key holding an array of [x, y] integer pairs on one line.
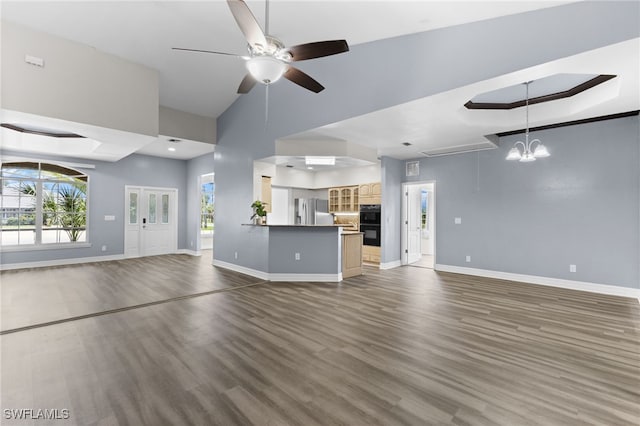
{"points": [[572, 268], [191, 244], [468, 259], [297, 256], [236, 255], [104, 248]]}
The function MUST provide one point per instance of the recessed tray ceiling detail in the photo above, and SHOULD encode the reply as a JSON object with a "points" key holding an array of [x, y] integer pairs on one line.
{"points": [[546, 89]]}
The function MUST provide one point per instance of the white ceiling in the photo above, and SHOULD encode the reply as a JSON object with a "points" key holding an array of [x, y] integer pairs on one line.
{"points": [[441, 121], [145, 31]]}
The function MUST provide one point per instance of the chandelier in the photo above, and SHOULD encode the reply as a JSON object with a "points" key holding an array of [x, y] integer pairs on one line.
{"points": [[527, 154]]}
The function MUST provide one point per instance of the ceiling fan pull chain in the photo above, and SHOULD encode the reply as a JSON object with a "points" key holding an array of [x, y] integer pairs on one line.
{"points": [[266, 106]]}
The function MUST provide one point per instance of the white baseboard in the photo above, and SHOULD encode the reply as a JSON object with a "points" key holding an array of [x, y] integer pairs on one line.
{"points": [[306, 277], [60, 262], [243, 270], [390, 265], [552, 282], [189, 252], [279, 276]]}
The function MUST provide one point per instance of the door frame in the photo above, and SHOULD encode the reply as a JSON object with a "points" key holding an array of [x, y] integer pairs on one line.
{"points": [[174, 228], [404, 239]]}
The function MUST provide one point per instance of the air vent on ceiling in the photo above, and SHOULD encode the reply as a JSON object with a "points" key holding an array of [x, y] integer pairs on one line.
{"points": [[174, 140], [458, 149]]}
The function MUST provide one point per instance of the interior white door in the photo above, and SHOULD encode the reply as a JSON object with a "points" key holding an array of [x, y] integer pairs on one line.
{"points": [[413, 221], [132, 226], [158, 222], [151, 221]]}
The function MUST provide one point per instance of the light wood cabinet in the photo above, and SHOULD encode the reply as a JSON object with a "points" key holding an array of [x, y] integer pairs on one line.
{"points": [[351, 255], [344, 199], [265, 192], [334, 200], [371, 254], [370, 193]]}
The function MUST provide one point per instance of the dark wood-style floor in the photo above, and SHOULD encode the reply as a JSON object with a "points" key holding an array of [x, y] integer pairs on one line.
{"points": [[403, 346]]}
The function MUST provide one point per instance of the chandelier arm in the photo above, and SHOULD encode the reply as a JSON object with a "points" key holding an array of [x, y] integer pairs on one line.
{"points": [[532, 142], [524, 147]]}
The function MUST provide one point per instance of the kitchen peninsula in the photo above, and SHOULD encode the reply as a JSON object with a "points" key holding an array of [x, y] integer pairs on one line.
{"points": [[302, 253]]}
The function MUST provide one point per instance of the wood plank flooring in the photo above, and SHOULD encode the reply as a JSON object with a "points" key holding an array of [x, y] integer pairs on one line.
{"points": [[406, 346]]}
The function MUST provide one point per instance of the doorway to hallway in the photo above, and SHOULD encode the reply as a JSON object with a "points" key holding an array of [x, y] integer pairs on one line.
{"points": [[207, 209], [418, 228]]}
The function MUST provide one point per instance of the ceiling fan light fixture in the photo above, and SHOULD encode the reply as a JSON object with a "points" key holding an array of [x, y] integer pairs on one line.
{"points": [[266, 69]]}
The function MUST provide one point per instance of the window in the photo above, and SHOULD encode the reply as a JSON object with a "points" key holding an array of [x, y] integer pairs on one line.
{"points": [[42, 204], [165, 208]]}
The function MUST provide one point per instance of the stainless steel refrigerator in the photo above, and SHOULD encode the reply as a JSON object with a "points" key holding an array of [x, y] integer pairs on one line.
{"points": [[311, 211]]}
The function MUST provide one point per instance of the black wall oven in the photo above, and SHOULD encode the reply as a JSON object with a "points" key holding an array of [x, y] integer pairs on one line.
{"points": [[370, 221], [371, 234], [370, 214]]}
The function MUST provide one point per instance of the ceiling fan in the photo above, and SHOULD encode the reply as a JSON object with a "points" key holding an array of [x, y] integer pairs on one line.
{"points": [[269, 58]]}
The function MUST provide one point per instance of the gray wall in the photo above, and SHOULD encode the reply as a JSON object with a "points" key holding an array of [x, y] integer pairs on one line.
{"points": [[580, 206], [106, 197], [392, 176], [319, 250], [78, 83], [196, 167], [388, 72], [184, 125]]}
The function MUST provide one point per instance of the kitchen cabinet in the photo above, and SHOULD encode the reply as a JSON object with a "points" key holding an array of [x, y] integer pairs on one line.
{"points": [[370, 193], [344, 199], [265, 192], [371, 254], [351, 254]]}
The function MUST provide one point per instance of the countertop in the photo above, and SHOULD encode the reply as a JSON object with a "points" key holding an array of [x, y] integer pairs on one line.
{"points": [[306, 226]]}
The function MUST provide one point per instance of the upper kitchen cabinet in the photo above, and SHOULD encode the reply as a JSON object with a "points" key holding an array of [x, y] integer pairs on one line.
{"points": [[265, 192], [370, 193], [344, 199]]}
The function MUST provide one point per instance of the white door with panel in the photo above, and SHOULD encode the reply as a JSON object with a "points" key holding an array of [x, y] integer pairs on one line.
{"points": [[410, 238], [151, 227]]}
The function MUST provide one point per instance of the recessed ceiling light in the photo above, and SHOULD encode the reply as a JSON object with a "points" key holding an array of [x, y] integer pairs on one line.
{"points": [[319, 161], [172, 149], [309, 168], [289, 166]]}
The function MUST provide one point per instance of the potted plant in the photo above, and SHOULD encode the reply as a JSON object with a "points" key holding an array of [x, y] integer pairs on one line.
{"points": [[259, 212]]}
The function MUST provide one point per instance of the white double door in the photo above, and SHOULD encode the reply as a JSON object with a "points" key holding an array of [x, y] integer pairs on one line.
{"points": [[151, 225]]}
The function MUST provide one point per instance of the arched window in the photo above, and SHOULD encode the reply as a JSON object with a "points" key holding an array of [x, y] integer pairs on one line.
{"points": [[42, 204]]}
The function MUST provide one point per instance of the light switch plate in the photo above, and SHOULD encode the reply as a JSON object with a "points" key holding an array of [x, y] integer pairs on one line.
{"points": [[457, 220], [109, 218]]}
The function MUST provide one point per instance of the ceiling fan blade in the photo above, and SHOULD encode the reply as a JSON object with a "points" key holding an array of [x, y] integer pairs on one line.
{"points": [[247, 84], [208, 51], [302, 79], [247, 23], [318, 49]]}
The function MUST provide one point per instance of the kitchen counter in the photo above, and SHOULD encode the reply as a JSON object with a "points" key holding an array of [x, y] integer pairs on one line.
{"points": [[297, 252]]}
